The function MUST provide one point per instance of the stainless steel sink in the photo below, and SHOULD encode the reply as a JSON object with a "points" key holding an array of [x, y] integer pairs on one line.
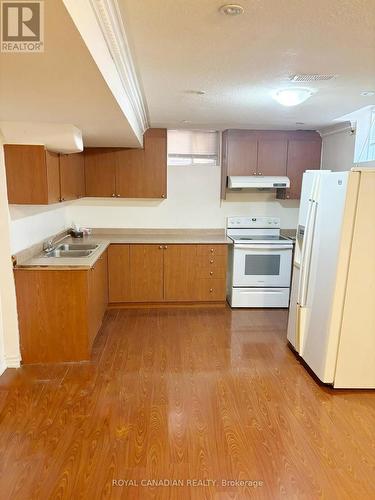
{"points": [[69, 253], [76, 246]]}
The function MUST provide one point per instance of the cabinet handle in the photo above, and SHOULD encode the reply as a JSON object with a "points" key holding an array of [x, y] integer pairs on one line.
{"points": [[163, 195], [254, 173], [165, 247], [212, 250], [287, 197], [260, 173], [211, 290], [113, 195], [211, 273], [211, 261], [119, 196], [160, 247]]}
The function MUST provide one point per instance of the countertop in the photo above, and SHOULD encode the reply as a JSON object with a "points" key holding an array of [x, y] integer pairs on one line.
{"points": [[104, 239]]}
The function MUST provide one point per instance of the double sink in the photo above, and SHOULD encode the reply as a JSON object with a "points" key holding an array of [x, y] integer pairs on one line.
{"points": [[72, 250]]}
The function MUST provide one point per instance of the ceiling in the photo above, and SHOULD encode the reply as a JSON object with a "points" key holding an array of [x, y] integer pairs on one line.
{"points": [[62, 85], [180, 45]]}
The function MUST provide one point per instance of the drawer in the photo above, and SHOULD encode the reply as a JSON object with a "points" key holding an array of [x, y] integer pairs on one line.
{"points": [[211, 250], [212, 272], [212, 261], [211, 289]]}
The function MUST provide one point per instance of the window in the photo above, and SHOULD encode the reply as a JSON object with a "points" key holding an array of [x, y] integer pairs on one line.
{"points": [[193, 147]]}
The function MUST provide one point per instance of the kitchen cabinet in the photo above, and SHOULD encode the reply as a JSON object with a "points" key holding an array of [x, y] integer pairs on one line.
{"points": [[119, 273], [241, 152], [146, 273], [60, 311], [129, 173], [304, 153], [33, 175], [72, 176], [167, 273], [98, 295], [270, 153], [100, 172], [180, 272], [155, 164]]}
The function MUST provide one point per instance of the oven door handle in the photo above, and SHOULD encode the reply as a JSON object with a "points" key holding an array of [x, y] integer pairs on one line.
{"points": [[263, 247]]}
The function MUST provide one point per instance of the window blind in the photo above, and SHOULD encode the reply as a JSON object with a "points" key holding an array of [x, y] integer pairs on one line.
{"points": [[193, 147]]}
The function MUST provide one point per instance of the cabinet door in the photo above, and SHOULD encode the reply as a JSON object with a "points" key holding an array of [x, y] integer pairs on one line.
{"points": [[100, 171], [242, 152], [98, 295], [72, 176], [53, 176], [26, 174], [302, 155], [154, 178], [272, 153], [180, 266], [130, 174], [146, 273], [119, 273]]}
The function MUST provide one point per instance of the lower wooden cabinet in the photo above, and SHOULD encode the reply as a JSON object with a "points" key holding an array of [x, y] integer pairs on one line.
{"points": [[60, 311], [146, 273], [167, 273]]}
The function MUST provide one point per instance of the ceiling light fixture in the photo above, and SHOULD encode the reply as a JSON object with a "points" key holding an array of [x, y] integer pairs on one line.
{"points": [[292, 96], [367, 93], [232, 9], [195, 92]]}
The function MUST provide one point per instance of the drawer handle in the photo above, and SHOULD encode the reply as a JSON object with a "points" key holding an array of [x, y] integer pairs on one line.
{"points": [[212, 250], [211, 261], [211, 273], [211, 290]]}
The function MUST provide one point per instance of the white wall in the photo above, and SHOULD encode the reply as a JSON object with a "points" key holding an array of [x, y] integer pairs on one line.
{"points": [[9, 343], [193, 202], [32, 224], [338, 151]]}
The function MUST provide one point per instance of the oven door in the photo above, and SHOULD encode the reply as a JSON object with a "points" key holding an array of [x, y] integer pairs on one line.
{"points": [[261, 265]]}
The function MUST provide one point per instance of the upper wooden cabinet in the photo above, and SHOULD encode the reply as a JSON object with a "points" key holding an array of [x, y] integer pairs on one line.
{"points": [[33, 175], [129, 173], [72, 176], [155, 163], [304, 153], [274, 153], [36, 176], [240, 152], [100, 171]]}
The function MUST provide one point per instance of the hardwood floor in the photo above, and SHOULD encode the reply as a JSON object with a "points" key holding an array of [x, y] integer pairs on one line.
{"points": [[184, 394]]}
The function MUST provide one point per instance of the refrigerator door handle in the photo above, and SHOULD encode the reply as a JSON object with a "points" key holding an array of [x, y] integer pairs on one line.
{"points": [[303, 253], [307, 262]]}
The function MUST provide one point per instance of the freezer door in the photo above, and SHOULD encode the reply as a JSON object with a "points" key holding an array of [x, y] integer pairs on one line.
{"points": [[320, 287]]}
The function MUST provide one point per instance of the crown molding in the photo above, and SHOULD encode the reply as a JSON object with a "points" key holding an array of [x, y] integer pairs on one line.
{"points": [[110, 21]]}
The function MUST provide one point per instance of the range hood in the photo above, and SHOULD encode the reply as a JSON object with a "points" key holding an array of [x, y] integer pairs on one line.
{"points": [[257, 182]]}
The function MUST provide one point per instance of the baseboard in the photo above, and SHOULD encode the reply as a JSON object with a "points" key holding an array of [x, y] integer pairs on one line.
{"points": [[3, 366], [13, 361], [144, 305]]}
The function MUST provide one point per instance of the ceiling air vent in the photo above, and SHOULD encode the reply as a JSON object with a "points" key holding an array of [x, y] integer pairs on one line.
{"points": [[311, 78]]}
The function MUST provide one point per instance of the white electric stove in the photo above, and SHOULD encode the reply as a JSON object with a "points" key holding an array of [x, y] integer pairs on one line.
{"points": [[260, 263]]}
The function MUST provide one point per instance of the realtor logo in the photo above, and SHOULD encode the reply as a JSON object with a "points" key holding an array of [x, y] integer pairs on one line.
{"points": [[22, 26]]}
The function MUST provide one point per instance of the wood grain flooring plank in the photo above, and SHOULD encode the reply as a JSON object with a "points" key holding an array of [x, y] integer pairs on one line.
{"points": [[184, 394]]}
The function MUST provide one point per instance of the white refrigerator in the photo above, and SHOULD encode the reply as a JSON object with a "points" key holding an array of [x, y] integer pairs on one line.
{"points": [[332, 310]]}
